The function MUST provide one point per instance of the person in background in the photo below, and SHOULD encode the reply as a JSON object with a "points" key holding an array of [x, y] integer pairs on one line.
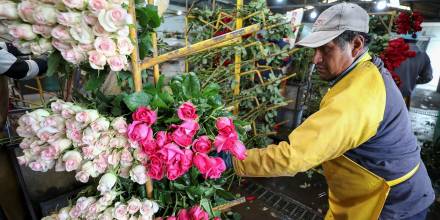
{"points": [[11, 66], [361, 134], [414, 70]]}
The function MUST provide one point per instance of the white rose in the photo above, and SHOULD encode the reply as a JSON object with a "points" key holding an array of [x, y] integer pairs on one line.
{"points": [[107, 214], [107, 198], [45, 14], [75, 4], [26, 142], [22, 31], [97, 5], [23, 131], [97, 60], [75, 212], [87, 116], [57, 106], [118, 142], [125, 46], [61, 45], [90, 169], [113, 19], [120, 211], [124, 31], [8, 10], [69, 19], [84, 202], [134, 205], [26, 11], [117, 63], [149, 207], [82, 33], [62, 144], [61, 33], [63, 214], [82, 176], [140, 156], [73, 56], [101, 124], [138, 174], [72, 160], [105, 45], [41, 46], [120, 125], [107, 182], [90, 136], [43, 30]]}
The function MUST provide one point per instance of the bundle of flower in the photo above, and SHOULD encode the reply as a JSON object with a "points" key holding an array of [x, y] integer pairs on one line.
{"points": [[396, 52], [93, 31], [174, 151], [107, 206], [71, 138], [409, 23]]}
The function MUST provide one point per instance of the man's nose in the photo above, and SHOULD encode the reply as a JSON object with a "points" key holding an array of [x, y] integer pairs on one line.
{"points": [[317, 57]]}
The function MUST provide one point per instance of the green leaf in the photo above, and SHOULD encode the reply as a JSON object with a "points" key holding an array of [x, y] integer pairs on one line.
{"points": [[211, 90], [179, 186], [204, 203], [158, 102], [166, 97], [135, 100], [148, 17], [53, 62], [94, 82], [225, 194], [191, 86], [172, 120], [145, 44]]}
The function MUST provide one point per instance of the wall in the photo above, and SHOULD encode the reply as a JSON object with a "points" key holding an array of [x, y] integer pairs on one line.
{"points": [[432, 29]]}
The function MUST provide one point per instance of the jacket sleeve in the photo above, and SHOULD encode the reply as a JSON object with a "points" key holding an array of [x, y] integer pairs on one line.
{"points": [[426, 75], [349, 116]]}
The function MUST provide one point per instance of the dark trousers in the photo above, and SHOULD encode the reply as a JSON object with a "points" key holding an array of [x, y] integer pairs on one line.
{"points": [[420, 216]]}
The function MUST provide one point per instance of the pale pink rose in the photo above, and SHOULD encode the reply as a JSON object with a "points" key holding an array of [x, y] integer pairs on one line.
{"points": [[85, 48], [46, 132], [89, 136], [74, 56], [114, 158], [97, 5], [126, 158], [45, 14], [82, 33], [107, 182], [26, 11], [225, 126], [92, 211], [117, 63], [125, 46], [118, 142], [24, 132], [100, 163], [97, 60], [138, 131], [124, 171], [23, 160], [120, 211], [22, 32], [41, 46], [120, 125], [87, 116], [123, 32], [132, 144], [69, 19], [156, 167], [84, 202], [74, 135], [90, 169], [61, 33], [82, 176], [99, 31], [187, 112], [149, 208], [105, 138], [138, 174], [75, 4], [63, 214], [101, 124], [90, 19], [8, 10], [105, 45], [60, 45], [37, 166], [72, 160], [69, 110], [88, 152], [107, 198], [113, 19], [140, 156], [134, 205], [197, 213], [145, 114], [202, 144], [107, 214], [43, 30], [54, 121], [61, 144], [75, 212], [26, 142], [49, 153]]}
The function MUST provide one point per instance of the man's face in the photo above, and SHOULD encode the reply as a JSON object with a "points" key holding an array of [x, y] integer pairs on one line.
{"points": [[331, 60]]}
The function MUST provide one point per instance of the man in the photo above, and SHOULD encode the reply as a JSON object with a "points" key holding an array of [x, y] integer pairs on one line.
{"points": [[361, 134], [414, 70]]}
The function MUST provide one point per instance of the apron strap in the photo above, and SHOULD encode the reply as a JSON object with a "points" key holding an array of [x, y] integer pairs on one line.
{"points": [[404, 177]]}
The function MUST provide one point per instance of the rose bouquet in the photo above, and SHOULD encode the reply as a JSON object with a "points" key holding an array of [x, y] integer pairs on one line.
{"points": [[394, 54], [408, 23]]}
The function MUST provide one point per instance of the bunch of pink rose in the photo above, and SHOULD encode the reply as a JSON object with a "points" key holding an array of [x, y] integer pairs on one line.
{"points": [[175, 151], [93, 31], [194, 213], [107, 207], [71, 138]]}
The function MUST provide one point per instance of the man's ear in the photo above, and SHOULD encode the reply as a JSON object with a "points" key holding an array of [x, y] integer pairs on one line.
{"points": [[358, 45]]}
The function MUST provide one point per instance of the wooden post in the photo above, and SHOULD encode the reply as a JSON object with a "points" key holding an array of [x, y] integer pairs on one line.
{"points": [[237, 64], [155, 53], [136, 73]]}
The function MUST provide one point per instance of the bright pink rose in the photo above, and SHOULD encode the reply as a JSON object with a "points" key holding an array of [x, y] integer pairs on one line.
{"points": [[202, 144], [183, 215], [225, 143], [149, 146], [138, 131], [145, 114], [171, 218], [185, 132], [117, 62], [156, 169], [178, 161], [239, 150], [197, 213], [225, 126], [162, 138], [209, 167], [187, 112]]}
